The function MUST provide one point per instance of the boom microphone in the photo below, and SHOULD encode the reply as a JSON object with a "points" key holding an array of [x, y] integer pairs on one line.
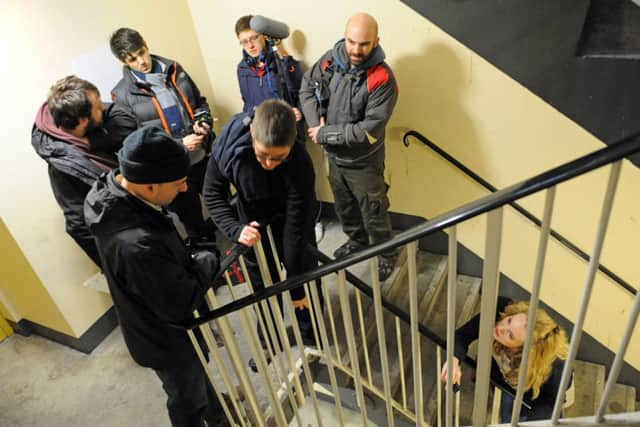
{"points": [[269, 27]]}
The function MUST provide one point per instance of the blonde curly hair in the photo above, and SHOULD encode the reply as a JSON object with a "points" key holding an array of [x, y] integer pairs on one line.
{"points": [[549, 343]]}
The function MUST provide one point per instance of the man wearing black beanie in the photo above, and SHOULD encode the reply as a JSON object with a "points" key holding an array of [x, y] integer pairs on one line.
{"points": [[154, 280]]}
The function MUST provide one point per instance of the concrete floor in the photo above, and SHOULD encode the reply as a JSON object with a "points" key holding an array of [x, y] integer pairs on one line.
{"points": [[46, 384]]}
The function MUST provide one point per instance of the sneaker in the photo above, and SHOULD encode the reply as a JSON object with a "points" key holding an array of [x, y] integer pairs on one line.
{"points": [[386, 265], [347, 249], [319, 229]]}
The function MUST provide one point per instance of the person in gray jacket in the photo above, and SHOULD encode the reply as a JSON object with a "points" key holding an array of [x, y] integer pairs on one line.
{"points": [[347, 98]]}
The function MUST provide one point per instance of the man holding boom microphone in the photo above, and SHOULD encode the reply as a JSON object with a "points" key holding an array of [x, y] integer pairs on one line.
{"points": [[264, 73]]}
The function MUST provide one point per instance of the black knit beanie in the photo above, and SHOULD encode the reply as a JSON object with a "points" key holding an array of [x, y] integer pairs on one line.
{"points": [[150, 156]]}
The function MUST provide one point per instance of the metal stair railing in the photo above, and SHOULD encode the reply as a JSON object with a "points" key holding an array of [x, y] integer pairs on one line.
{"points": [[531, 217], [284, 392]]}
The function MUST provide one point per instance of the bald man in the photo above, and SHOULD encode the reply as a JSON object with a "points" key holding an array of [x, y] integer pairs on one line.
{"points": [[347, 98]]}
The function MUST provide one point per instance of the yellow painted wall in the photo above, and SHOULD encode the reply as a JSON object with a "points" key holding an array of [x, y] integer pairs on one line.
{"points": [[20, 287], [481, 116], [38, 41]]}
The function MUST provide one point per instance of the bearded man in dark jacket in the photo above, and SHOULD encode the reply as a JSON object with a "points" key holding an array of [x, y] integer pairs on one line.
{"points": [[347, 98], [78, 136], [158, 91], [274, 181], [153, 279]]}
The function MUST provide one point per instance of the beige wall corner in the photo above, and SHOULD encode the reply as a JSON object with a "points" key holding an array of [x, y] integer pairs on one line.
{"points": [[22, 294], [39, 41]]}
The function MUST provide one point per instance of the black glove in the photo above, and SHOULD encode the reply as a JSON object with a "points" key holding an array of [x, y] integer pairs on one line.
{"points": [[206, 263]]}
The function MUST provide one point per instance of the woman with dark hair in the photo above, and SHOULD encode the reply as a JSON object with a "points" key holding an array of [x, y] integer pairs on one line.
{"points": [[546, 359]]}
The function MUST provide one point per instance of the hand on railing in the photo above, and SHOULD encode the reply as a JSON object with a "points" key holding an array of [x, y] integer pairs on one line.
{"points": [[457, 372], [249, 235]]}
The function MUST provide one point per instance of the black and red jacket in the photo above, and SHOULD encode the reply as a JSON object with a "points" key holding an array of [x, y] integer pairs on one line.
{"points": [[138, 97], [356, 102]]}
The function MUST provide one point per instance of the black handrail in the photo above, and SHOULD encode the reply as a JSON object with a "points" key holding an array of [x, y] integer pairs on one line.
{"points": [[470, 210], [559, 237]]}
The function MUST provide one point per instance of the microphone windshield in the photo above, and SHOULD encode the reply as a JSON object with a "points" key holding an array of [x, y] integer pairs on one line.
{"points": [[269, 27]]}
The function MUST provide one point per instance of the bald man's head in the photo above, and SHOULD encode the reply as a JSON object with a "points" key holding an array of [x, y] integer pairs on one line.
{"points": [[361, 37]]}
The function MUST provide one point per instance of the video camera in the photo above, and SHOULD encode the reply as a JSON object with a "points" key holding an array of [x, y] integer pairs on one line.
{"points": [[203, 117]]}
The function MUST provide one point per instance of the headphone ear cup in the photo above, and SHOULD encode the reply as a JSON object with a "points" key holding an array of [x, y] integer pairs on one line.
{"points": [[250, 60]]}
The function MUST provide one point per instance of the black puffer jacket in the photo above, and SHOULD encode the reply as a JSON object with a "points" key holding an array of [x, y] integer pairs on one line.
{"points": [[71, 172], [152, 277], [138, 97]]}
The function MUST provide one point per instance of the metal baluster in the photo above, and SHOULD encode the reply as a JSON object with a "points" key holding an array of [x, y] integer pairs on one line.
{"points": [[495, 406], [382, 340], [327, 353], [288, 303], [263, 371], [412, 249], [438, 388], [457, 424], [619, 359], [239, 366], [490, 275], [266, 326], [282, 335], [403, 380], [314, 322], [351, 344], [451, 321], [222, 368], [363, 334], [207, 370], [533, 303], [332, 323], [576, 335]]}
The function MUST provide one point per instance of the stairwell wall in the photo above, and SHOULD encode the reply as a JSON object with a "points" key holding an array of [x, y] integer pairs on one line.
{"points": [[39, 40]]}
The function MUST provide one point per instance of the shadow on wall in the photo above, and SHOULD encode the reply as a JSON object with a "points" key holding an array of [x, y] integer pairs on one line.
{"points": [[298, 41], [432, 87]]}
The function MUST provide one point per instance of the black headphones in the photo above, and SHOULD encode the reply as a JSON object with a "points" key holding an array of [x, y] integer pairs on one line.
{"points": [[253, 62]]}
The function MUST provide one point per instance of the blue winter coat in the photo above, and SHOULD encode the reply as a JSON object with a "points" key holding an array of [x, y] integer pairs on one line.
{"points": [[255, 88]]}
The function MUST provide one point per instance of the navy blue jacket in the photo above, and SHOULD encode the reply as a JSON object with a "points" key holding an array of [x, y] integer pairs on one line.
{"points": [[255, 88], [283, 197]]}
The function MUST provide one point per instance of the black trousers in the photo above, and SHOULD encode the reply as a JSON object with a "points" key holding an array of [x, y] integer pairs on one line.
{"points": [[542, 409], [190, 397], [188, 206], [303, 316]]}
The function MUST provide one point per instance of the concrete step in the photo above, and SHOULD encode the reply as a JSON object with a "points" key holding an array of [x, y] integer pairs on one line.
{"points": [[589, 379], [467, 303], [430, 268], [623, 399], [467, 306]]}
